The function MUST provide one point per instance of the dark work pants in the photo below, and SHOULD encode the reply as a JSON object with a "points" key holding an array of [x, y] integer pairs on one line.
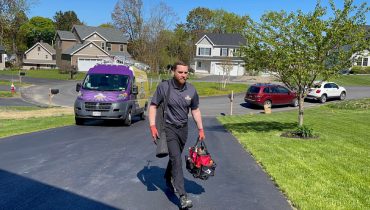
{"points": [[176, 139]]}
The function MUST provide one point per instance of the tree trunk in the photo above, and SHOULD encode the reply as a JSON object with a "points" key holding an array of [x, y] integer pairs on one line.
{"points": [[15, 50], [300, 100]]}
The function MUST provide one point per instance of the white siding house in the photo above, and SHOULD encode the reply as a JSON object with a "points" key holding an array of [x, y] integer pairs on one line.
{"points": [[210, 49]]}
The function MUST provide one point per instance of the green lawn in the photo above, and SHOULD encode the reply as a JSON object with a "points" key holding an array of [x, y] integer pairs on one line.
{"points": [[45, 73], [211, 88], [5, 82], [21, 108], [359, 80], [8, 94], [15, 127], [331, 172]]}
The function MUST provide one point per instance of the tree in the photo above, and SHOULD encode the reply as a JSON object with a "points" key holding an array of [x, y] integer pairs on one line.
{"points": [[39, 28], [106, 25], [300, 47], [128, 16], [225, 22], [226, 65], [65, 21], [13, 15], [199, 20]]}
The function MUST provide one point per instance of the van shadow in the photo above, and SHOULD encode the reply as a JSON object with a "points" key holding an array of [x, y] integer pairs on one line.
{"points": [[260, 126], [111, 123], [17, 192], [153, 178]]}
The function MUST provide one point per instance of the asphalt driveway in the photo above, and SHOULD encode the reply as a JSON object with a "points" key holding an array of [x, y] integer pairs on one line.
{"points": [[102, 166]]}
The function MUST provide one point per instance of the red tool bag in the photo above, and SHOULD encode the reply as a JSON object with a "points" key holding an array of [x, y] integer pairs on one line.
{"points": [[199, 162]]}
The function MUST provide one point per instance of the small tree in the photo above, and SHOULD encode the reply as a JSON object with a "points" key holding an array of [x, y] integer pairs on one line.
{"points": [[300, 47], [226, 65]]}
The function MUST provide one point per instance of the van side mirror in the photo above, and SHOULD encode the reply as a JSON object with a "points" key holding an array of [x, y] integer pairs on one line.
{"points": [[78, 87], [135, 90]]}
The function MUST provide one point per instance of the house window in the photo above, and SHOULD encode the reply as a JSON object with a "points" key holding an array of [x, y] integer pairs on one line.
{"points": [[109, 46], [121, 47], [359, 61], [39, 49], [60, 44], [46, 56], [224, 52], [364, 63], [103, 45], [1, 58], [53, 57], [204, 51], [199, 64]]}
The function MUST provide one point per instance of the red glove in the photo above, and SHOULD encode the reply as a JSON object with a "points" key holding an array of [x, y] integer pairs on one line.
{"points": [[154, 132], [201, 134]]}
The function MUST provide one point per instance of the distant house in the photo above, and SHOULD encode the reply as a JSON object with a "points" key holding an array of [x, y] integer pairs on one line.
{"points": [[2, 57], [210, 49], [39, 56], [85, 46]]}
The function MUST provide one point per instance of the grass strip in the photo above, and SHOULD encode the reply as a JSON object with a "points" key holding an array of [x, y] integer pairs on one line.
{"points": [[17, 84], [22, 108], [46, 74], [15, 127], [353, 80], [8, 94], [331, 172], [211, 88]]}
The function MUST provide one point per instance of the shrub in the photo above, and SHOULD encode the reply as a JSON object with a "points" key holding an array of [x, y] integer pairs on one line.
{"points": [[304, 131], [66, 69]]}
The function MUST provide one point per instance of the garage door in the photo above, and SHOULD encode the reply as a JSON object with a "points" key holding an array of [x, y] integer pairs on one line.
{"points": [[233, 72], [84, 64]]}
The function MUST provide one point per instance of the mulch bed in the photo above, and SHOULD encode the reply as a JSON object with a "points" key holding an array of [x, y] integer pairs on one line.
{"points": [[290, 134]]}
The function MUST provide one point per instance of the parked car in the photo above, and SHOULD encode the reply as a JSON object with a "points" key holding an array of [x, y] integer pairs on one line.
{"points": [[270, 94], [326, 90]]}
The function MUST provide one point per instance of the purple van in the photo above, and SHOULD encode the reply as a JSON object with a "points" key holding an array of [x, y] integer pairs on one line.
{"points": [[109, 92]]}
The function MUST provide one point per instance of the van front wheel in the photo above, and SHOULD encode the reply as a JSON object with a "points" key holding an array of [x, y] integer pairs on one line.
{"points": [[128, 118]]}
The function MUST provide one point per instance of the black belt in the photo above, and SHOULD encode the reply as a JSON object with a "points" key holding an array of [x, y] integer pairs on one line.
{"points": [[178, 126]]}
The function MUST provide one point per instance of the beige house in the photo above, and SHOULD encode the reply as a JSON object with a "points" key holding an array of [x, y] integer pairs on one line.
{"points": [[2, 57], [39, 56], [85, 46]]}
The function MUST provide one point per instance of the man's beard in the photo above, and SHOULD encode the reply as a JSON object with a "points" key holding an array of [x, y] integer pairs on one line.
{"points": [[180, 80]]}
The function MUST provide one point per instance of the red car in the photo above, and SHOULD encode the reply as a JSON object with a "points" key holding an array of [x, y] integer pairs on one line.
{"points": [[270, 94]]}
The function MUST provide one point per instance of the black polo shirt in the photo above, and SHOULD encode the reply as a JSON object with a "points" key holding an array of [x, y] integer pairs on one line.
{"points": [[179, 103]]}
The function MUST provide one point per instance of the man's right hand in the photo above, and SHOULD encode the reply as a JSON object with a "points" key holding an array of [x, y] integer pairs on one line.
{"points": [[154, 132]]}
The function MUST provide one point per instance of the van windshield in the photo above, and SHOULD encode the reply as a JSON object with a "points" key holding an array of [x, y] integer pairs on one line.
{"points": [[106, 82]]}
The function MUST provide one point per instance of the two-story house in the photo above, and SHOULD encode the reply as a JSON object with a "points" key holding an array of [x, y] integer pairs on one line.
{"points": [[85, 46], [39, 56], [2, 57], [210, 49]]}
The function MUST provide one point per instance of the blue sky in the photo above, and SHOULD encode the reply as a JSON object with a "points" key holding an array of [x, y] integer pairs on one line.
{"points": [[95, 12]]}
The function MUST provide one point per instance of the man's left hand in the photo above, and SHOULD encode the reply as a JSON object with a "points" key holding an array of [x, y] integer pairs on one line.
{"points": [[201, 134]]}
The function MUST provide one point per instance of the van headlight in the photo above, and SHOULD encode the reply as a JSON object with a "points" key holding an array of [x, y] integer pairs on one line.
{"points": [[80, 95], [122, 96]]}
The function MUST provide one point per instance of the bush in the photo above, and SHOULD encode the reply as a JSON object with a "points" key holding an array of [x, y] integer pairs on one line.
{"points": [[360, 70], [66, 69], [304, 131]]}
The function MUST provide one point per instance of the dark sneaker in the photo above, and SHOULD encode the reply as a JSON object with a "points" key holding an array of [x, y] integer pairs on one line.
{"points": [[171, 186], [185, 202]]}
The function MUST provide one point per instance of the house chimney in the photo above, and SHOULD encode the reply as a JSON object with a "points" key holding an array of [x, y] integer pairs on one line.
{"points": [[41, 41]]}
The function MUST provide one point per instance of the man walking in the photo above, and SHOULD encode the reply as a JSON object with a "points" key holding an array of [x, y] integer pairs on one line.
{"points": [[183, 96]]}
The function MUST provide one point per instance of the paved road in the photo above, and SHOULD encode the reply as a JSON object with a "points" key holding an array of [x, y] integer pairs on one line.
{"points": [[210, 106], [102, 166]]}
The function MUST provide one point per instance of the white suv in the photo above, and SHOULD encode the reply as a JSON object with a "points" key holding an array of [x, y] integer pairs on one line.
{"points": [[325, 90]]}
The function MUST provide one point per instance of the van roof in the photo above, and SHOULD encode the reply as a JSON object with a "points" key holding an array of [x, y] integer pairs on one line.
{"points": [[110, 69]]}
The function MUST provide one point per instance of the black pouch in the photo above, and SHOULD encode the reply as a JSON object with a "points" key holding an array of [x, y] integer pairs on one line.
{"points": [[189, 164], [207, 171]]}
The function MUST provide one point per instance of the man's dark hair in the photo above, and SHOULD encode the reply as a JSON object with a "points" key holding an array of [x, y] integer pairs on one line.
{"points": [[181, 63]]}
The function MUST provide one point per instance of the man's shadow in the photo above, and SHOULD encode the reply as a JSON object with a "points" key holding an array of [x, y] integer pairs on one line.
{"points": [[153, 178]]}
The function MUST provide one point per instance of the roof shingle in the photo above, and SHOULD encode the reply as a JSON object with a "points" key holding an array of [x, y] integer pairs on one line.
{"points": [[111, 34], [66, 35], [224, 39]]}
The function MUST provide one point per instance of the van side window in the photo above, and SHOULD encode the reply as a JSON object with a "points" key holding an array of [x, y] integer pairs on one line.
{"points": [[266, 90]]}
